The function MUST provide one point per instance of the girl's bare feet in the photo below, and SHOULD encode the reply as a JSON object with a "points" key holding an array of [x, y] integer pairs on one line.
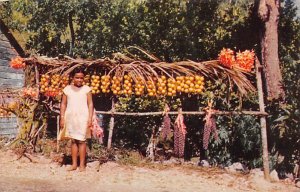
{"points": [[72, 168], [81, 169]]}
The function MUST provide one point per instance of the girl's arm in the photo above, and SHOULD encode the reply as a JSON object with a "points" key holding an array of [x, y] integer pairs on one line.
{"points": [[63, 106], [91, 108]]}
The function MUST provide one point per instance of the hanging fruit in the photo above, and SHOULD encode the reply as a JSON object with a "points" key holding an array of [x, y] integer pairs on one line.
{"points": [[95, 84], [161, 85], [116, 85], [17, 63], [54, 88], [105, 83], [4, 113], [86, 80], [55, 80], [179, 84], [226, 57], [127, 85], [44, 83], [245, 59], [30, 92], [64, 81], [51, 92], [199, 84], [151, 88], [139, 87], [171, 87]]}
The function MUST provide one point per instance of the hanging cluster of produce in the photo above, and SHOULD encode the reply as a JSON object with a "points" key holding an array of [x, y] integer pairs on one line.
{"points": [[209, 126], [17, 63], [126, 76], [243, 60], [178, 133], [5, 113], [52, 85]]}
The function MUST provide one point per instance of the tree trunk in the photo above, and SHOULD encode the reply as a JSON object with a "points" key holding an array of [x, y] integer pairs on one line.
{"points": [[268, 12], [72, 42]]}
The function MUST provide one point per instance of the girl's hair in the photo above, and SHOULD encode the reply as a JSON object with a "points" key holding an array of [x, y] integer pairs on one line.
{"points": [[78, 70]]}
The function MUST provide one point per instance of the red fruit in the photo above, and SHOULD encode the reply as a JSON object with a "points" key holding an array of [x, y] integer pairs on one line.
{"points": [[17, 63], [245, 59], [226, 58]]}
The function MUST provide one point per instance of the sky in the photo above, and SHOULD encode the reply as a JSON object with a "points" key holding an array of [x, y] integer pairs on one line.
{"points": [[297, 2]]}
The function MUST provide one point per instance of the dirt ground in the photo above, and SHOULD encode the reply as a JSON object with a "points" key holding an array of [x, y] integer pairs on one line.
{"points": [[44, 175]]}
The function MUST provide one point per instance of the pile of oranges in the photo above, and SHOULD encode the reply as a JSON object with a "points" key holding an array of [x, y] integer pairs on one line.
{"points": [[52, 85]]}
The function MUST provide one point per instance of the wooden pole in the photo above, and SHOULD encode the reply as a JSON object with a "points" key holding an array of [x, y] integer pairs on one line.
{"points": [[151, 146], [263, 122], [111, 125], [57, 133], [257, 113]]}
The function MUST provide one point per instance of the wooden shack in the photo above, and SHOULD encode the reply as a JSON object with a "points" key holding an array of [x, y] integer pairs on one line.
{"points": [[9, 78]]}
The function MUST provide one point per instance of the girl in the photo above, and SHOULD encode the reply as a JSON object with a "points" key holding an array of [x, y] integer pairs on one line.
{"points": [[76, 112]]}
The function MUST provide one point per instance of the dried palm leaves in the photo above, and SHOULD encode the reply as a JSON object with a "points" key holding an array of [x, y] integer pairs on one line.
{"points": [[144, 70]]}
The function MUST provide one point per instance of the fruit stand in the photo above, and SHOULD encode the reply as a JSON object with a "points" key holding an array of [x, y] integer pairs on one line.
{"points": [[126, 74]]}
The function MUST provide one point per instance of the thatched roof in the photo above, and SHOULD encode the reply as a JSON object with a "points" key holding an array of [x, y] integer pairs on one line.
{"points": [[143, 69]]}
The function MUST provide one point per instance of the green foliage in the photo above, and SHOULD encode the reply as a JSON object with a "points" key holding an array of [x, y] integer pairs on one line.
{"points": [[134, 132], [172, 30], [239, 141]]}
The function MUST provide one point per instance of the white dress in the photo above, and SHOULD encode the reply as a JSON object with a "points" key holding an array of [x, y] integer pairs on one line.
{"points": [[77, 112]]}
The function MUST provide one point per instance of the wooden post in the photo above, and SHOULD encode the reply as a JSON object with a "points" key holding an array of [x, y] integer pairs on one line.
{"points": [[263, 123], [151, 146], [57, 133], [111, 125]]}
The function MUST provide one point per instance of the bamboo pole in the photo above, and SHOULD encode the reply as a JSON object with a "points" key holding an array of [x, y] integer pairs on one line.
{"points": [[263, 122], [111, 125], [256, 113]]}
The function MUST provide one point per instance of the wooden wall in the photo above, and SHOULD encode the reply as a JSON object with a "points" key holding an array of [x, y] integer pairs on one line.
{"points": [[9, 78], [8, 126]]}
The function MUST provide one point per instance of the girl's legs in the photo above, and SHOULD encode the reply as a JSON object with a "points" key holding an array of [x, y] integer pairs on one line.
{"points": [[74, 153], [82, 153]]}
